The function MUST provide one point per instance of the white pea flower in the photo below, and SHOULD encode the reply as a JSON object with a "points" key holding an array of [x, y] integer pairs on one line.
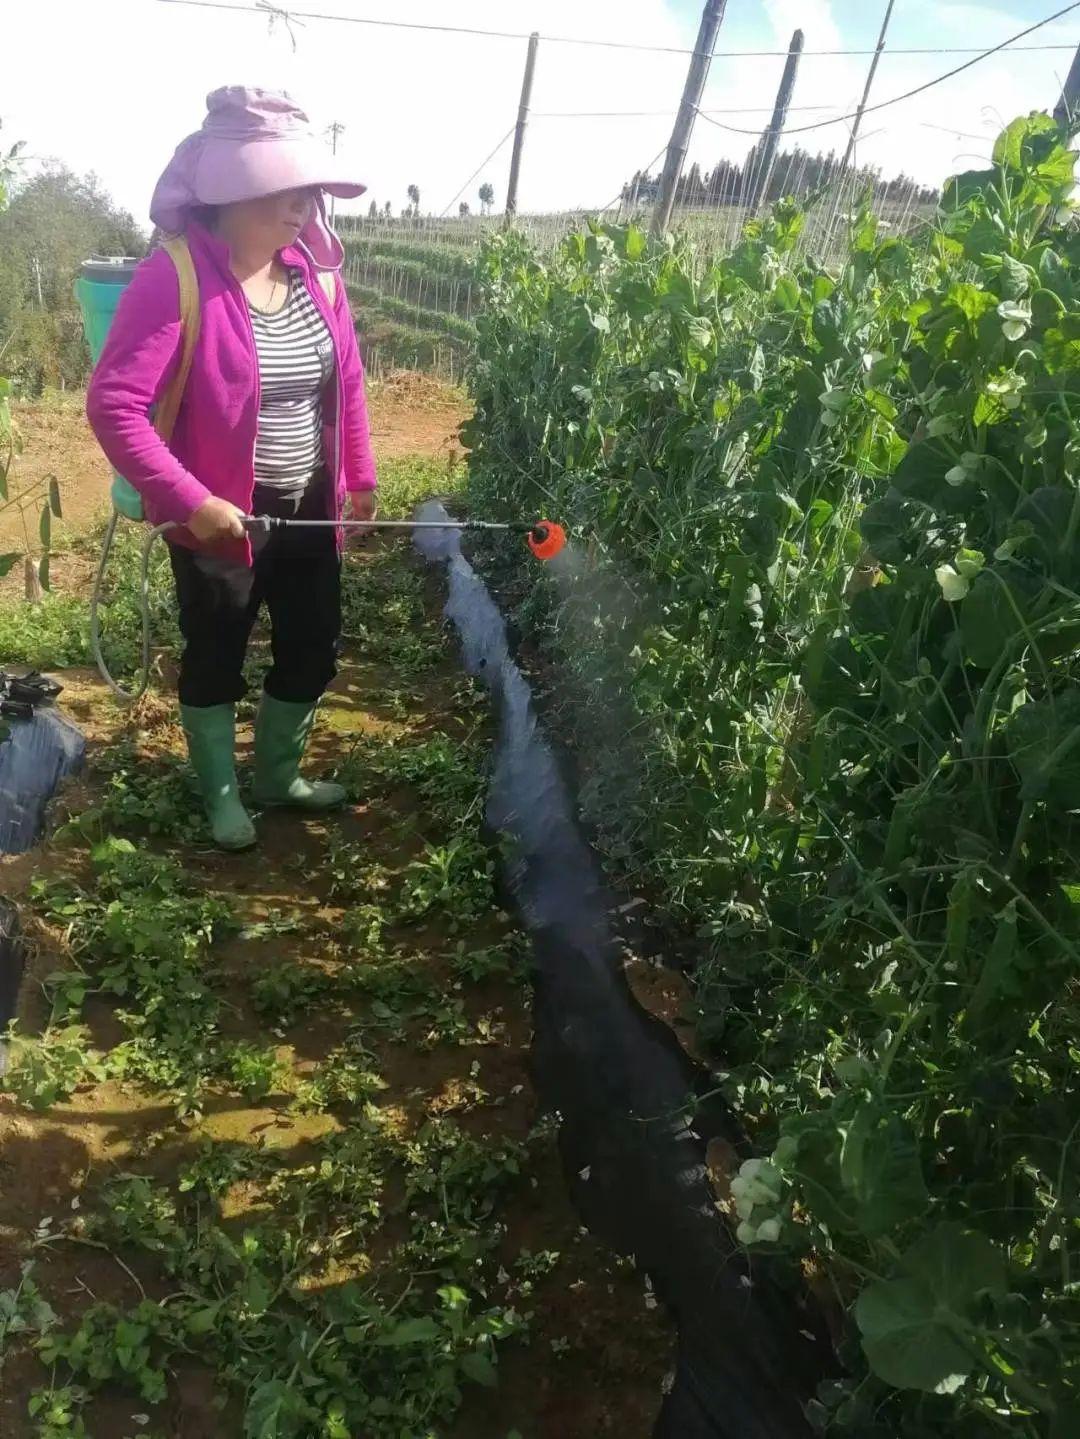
{"points": [[953, 586], [1016, 315]]}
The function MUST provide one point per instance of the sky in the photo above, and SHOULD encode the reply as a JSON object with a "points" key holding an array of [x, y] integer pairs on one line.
{"points": [[126, 80]]}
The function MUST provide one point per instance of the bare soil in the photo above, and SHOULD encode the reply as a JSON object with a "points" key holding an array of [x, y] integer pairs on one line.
{"points": [[598, 1350]]}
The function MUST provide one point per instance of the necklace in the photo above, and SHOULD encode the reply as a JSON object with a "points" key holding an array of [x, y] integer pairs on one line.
{"points": [[269, 308]]}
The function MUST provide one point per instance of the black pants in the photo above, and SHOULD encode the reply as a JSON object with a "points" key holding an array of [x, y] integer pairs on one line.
{"points": [[297, 573]]}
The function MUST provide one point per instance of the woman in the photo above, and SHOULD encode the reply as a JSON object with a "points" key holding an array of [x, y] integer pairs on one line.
{"points": [[273, 421]]}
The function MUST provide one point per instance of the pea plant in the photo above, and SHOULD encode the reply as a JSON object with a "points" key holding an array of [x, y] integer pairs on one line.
{"points": [[818, 658]]}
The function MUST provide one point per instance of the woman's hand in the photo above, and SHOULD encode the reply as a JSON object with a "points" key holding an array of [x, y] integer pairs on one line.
{"points": [[362, 506], [217, 520]]}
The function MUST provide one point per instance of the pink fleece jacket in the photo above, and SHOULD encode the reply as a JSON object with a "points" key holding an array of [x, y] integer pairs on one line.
{"points": [[212, 448]]}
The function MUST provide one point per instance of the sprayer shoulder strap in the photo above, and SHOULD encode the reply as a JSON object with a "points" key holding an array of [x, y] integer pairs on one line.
{"points": [[176, 247]]}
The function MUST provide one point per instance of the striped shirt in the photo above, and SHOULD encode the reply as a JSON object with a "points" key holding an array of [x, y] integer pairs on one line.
{"points": [[296, 361]]}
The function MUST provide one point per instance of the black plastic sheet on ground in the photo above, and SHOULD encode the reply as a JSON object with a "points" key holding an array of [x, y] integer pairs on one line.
{"points": [[632, 1136], [35, 756]]}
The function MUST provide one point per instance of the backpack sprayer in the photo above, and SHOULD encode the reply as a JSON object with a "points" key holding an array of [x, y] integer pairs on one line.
{"points": [[544, 538]]}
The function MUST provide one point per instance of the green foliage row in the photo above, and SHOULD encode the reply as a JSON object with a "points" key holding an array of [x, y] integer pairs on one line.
{"points": [[457, 262], [819, 651], [403, 346], [436, 322]]}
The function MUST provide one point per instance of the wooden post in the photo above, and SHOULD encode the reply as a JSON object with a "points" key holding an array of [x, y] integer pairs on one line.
{"points": [[522, 121], [1067, 109], [696, 76], [771, 138], [866, 88]]}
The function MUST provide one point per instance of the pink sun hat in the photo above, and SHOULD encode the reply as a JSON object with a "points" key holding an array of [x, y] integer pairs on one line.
{"points": [[252, 143]]}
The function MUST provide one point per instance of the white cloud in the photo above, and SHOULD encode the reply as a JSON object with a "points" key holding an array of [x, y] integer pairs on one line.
{"points": [[124, 81]]}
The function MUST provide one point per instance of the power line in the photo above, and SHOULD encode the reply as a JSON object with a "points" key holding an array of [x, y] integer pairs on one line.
{"points": [[287, 13], [907, 95], [948, 130], [479, 167], [660, 114]]}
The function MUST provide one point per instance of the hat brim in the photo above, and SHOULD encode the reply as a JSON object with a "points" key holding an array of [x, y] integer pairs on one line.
{"points": [[229, 171]]}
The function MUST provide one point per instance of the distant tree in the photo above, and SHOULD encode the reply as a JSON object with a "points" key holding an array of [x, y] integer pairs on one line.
{"points": [[373, 211], [487, 197], [414, 195], [388, 210], [793, 172], [52, 224], [463, 209]]}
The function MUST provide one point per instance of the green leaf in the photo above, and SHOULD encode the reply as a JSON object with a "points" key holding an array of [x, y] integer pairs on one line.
{"points": [[971, 300], [43, 570], [54, 497], [1015, 277], [995, 612], [1043, 742], [636, 242], [8, 562], [421, 1330], [1013, 147], [880, 1169], [884, 525], [957, 1266], [904, 1343], [920, 475], [914, 1327], [960, 190], [273, 1412], [203, 1319], [479, 1368], [787, 293], [958, 922], [1061, 345], [1066, 1422], [45, 526], [997, 968]]}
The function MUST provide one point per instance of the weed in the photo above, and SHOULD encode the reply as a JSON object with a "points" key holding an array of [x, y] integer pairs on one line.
{"points": [[49, 1069], [252, 1069], [285, 991], [23, 1310]]}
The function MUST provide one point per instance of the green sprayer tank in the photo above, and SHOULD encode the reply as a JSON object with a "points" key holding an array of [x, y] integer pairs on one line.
{"points": [[98, 289]]}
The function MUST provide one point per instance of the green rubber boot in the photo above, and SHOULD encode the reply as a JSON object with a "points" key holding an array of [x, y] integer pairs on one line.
{"points": [[281, 735], [211, 739]]}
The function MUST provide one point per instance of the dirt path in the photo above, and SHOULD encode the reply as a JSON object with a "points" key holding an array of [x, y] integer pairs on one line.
{"points": [[411, 414], [270, 1147]]}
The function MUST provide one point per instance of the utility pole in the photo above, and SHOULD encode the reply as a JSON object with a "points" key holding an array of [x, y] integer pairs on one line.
{"points": [[866, 88], [519, 132], [334, 131], [771, 138], [696, 76], [1067, 109]]}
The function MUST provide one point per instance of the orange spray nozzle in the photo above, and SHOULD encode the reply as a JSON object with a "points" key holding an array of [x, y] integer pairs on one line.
{"points": [[547, 539]]}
